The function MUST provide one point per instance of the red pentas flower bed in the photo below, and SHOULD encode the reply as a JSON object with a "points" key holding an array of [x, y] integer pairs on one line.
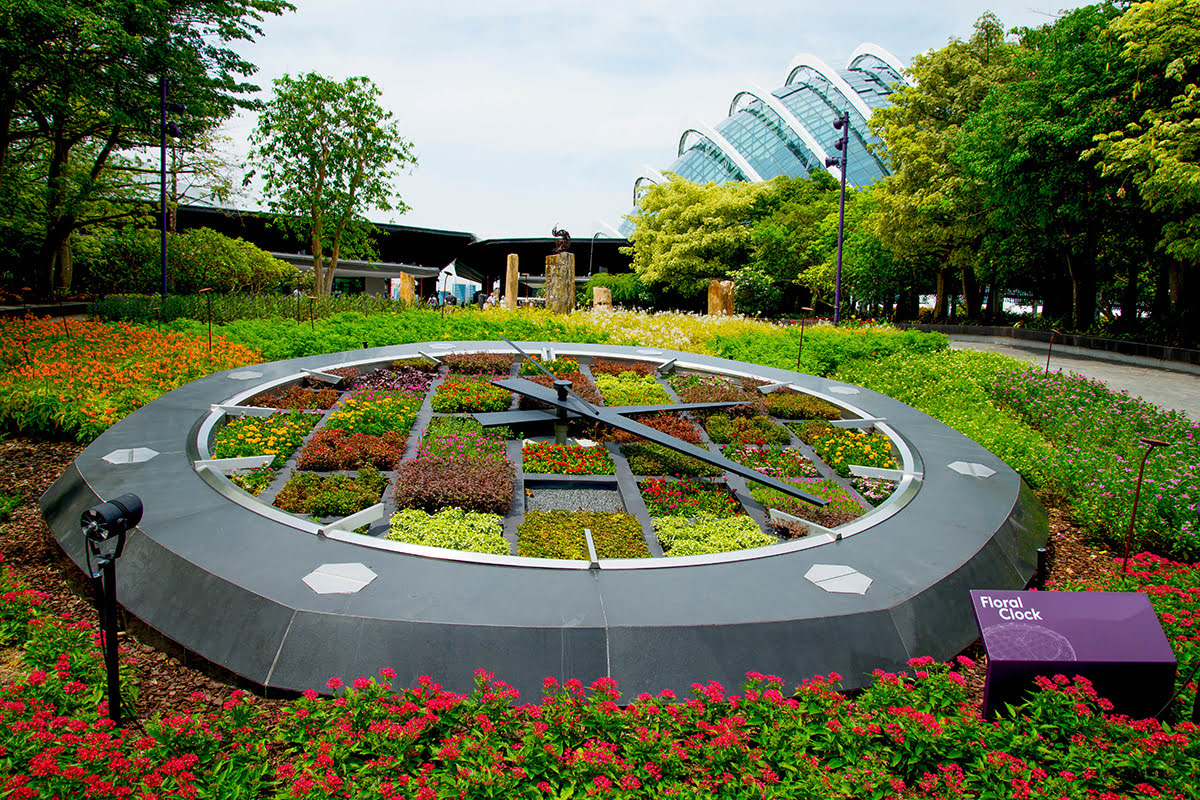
{"points": [[561, 459]]}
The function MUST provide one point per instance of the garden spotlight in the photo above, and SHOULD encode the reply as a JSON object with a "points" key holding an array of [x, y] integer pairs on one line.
{"points": [[100, 525], [1137, 493], [800, 351], [1053, 333]]}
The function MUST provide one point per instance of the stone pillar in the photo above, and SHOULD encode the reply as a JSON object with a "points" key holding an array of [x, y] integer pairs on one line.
{"points": [[408, 289], [720, 298], [602, 298], [510, 283], [560, 283]]}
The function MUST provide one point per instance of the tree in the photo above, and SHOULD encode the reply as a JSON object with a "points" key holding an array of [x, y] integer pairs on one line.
{"points": [[1159, 155], [79, 85], [928, 212], [328, 152], [688, 234]]}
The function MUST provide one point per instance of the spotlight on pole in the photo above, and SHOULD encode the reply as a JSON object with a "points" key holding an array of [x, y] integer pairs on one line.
{"points": [[104, 528], [842, 124], [1151, 444], [800, 351], [1054, 332]]}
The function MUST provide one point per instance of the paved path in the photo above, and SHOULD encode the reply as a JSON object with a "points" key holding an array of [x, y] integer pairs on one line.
{"points": [[1163, 387]]}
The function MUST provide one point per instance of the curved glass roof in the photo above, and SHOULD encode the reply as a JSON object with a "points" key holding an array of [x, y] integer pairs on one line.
{"points": [[772, 145]]}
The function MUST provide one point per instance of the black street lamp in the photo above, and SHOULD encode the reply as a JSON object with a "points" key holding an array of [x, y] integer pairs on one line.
{"points": [[1050, 349], [842, 124], [164, 128]]}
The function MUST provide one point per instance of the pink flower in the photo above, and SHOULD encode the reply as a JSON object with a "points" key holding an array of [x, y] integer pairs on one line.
{"points": [[334, 684]]}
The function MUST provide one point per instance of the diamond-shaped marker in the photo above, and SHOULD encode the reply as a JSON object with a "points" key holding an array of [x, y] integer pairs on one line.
{"points": [[130, 455], [339, 578], [245, 375], [844, 390], [838, 578], [973, 469]]}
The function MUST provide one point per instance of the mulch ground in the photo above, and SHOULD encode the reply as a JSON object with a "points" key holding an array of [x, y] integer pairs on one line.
{"points": [[168, 676]]}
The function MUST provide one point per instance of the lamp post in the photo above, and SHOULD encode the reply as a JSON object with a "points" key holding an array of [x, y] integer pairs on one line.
{"points": [[592, 253], [800, 351], [1053, 333], [164, 128], [1137, 493], [842, 124]]}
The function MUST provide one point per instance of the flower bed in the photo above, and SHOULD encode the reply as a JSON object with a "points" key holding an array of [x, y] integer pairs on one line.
{"points": [[688, 497], [651, 458], [334, 449], [465, 426], [665, 421], [695, 387], [786, 404], [839, 448], [331, 495], [409, 378], [458, 395], [842, 507], [609, 366], [253, 480], [704, 534], [278, 435], [561, 459], [724, 429], [559, 534], [559, 367], [478, 363], [472, 484], [297, 397], [874, 490], [579, 384], [376, 412], [454, 441], [451, 528], [777, 462], [630, 390]]}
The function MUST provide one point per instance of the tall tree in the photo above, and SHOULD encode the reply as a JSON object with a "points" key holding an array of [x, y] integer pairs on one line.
{"points": [[1022, 150], [328, 152], [928, 212], [79, 81], [1158, 156]]}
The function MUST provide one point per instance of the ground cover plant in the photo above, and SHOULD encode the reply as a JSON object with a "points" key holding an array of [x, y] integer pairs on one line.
{"points": [[559, 367], [559, 534], [610, 366], [450, 528], [410, 376], [253, 480], [333, 495], [873, 490], [276, 435], [562, 459], [1098, 433], [628, 389], [651, 458], [297, 397], [724, 429], [669, 423], [777, 462], [431, 483], [478, 363], [76, 378], [463, 426], [457, 395], [841, 509], [376, 411], [841, 447], [335, 449], [688, 497], [461, 441], [695, 387], [785, 404], [705, 533]]}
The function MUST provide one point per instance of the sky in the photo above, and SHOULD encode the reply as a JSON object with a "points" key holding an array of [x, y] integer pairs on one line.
{"points": [[528, 114]]}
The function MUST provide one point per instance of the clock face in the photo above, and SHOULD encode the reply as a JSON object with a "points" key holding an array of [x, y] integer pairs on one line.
{"points": [[440, 507]]}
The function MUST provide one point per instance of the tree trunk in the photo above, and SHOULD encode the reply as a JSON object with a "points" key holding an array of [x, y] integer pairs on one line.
{"points": [[908, 306], [970, 292], [1129, 297], [939, 305]]}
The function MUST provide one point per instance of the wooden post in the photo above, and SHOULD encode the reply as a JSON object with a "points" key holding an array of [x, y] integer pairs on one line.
{"points": [[720, 298], [560, 283], [602, 298], [510, 283]]}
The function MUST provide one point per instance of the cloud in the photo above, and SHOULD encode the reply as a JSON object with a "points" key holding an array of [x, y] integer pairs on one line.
{"points": [[531, 112]]}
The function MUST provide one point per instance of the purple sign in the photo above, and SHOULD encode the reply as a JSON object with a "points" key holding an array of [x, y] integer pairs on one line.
{"points": [[1112, 638]]}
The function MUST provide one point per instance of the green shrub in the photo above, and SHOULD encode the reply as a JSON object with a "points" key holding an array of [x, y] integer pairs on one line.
{"points": [[628, 389], [786, 404], [651, 458], [627, 290], [559, 534], [825, 348], [704, 534], [745, 430], [451, 528], [331, 495]]}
